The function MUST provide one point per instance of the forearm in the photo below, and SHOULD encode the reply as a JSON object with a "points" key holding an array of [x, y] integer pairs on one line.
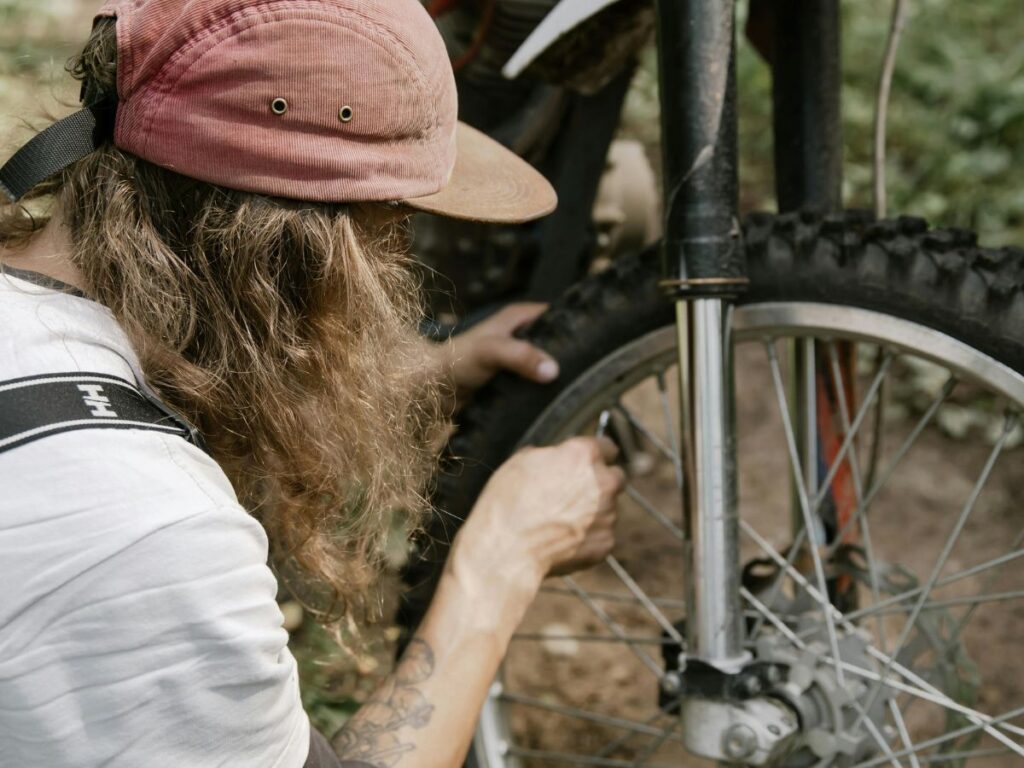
{"points": [[544, 509], [424, 714]]}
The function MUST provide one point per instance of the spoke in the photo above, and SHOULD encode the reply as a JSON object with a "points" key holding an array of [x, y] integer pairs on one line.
{"points": [[647, 603], [973, 603], [634, 639], [785, 567], [612, 597], [878, 737], [858, 420], [615, 629], [877, 424], [631, 490], [590, 717], [858, 487], [951, 757], [653, 511], [652, 438], [947, 550], [655, 745], [989, 582], [987, 723], [860, 515], [805, 506], [904, 449], [973, 571], [972, 600], [614, 744], [929, 692], [670, 428], [921, 693], [939, 740], [861, 414], [805, 408], [791, 636], [923, 690], [901, 727], [787, 563], [565, 757]]}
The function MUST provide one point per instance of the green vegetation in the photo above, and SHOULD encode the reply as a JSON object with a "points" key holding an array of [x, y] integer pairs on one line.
{"points": [[956, 118], [956, 124]]}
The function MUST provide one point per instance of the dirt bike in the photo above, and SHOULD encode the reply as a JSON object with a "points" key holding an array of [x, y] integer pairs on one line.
{"points": [[840, 602]]}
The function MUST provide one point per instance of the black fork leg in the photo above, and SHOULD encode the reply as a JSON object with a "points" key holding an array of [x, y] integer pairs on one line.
{"points": [[807, 83], [704, 269]]}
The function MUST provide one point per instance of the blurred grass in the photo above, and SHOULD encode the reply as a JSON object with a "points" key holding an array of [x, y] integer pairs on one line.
{"points": [[36, 39], [956, 143]]}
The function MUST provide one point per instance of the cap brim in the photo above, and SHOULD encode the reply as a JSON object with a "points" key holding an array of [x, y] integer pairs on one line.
{"points": [[490, 184]]}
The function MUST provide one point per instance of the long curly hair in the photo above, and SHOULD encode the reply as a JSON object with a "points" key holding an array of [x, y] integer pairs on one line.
{"points": [[285, 331]]}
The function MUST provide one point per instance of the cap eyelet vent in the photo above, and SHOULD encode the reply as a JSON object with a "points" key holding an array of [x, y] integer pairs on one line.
{"points": [[345, 114], [279, 106]]}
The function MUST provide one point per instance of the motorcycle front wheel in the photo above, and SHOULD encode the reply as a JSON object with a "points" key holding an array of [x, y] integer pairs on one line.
{"points": [[906, 640]]}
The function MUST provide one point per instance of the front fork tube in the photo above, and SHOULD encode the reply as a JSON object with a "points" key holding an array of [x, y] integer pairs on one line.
{"points": [[804, 413], [714, 617], [716, 725]]}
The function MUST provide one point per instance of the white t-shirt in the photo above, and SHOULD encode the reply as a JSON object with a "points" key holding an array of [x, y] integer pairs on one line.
{"points": [[138, 622]]}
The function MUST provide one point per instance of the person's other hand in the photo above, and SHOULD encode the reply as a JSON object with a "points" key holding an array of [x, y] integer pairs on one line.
{"points": [[546, 511], [473, 358]]}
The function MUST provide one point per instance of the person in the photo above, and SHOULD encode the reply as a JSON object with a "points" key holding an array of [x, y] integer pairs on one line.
{"points": [[218, 239]]}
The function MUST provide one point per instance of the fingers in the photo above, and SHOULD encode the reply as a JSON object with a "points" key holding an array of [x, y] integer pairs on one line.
{"points": [[496, 348], [609, 450], [516, 316], [573, 493], [524, 359], [615, 479], [596, 448], [593, 550]]}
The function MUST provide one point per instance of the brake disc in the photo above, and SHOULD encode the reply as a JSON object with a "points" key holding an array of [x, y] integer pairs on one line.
{"points": [[835, 729]]}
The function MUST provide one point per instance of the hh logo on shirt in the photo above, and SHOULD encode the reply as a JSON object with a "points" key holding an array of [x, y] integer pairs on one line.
{"points": [[97, 403]]}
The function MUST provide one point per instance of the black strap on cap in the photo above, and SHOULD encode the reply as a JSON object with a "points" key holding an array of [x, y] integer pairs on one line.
{"points": [[63, 143], [36, 407]]}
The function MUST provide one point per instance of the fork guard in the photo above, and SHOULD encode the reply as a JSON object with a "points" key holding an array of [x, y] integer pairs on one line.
{"points": [[563, 19]]}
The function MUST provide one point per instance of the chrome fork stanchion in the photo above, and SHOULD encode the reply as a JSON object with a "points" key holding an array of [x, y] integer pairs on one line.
{"points": [[804, 408], [715, 616], [749, 729]]}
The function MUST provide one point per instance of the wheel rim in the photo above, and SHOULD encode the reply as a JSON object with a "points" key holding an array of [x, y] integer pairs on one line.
{"points": [[532, 716]]}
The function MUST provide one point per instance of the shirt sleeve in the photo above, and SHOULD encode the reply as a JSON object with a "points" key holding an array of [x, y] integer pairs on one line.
{"points": [[162, 647]]}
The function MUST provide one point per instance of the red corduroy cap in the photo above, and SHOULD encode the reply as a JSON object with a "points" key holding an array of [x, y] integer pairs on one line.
{"points": [[318, 100]]}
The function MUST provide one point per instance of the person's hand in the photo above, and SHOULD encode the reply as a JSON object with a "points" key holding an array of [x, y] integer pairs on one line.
{"points": [[546, 511], [474, 357]]}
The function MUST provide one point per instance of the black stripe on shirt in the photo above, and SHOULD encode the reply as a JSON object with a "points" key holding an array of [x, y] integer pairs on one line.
{"points": [[36, 407]]}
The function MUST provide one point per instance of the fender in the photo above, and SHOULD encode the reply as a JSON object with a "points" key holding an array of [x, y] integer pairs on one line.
{"points": [[564, 18]]}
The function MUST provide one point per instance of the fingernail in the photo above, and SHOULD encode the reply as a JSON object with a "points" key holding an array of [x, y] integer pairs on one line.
{"points": [[548, 370]]}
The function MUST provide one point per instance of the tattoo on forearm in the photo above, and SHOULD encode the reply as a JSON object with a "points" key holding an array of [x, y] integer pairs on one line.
{"points": [[372, 736]]}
